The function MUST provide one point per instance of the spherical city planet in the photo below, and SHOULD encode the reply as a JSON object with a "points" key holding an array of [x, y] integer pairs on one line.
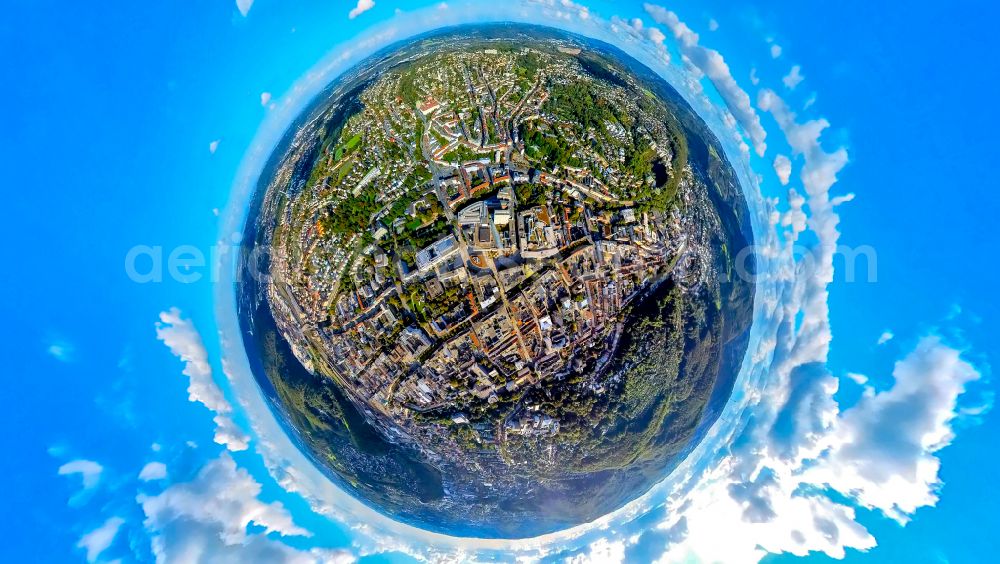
{"points": [[489, 280]]}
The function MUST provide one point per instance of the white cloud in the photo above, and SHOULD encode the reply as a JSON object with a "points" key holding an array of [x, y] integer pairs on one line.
{"points": [[265, 97], [153, 471], [775, 50], [881, 451], [89, 471], [97, 541], [583, 12], [837, 200], [600, 552], [713, 25], [795, 217], [636, 29], [244, 6], [228, 433], [885, 337], [859, 379], [771, 492], [710, 62], [655, 35], [362, 7], [213, 146], [61, 350], [183, 340], [783, 168], [207, 519], [793, 78], [753, 76]]}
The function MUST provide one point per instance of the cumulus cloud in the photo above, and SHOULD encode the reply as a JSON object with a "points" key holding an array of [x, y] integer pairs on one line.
{"points": [[795, 217], [770, 491], [207, 520], [793, 78], [565, 10], [882, 450], [265, 97], [244, 6], [361, 7], [600, 551], [213, 146], [153, 471], [88, 470], [581, 11], [228, 433], [783, 168], [655, 35], [820, 170], [713, 25], [181, 337], [635, 28], [97, 541], [885, 337], [714, 66], [775, 50]]}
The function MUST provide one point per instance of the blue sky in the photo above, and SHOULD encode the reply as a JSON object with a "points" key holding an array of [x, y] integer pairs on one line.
{"points": [[110, 112]]}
